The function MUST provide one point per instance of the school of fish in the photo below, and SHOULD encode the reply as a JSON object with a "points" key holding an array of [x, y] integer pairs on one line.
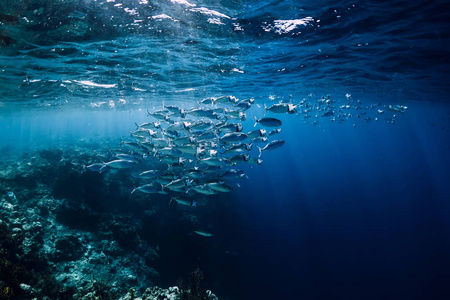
{"points": [[187, 153]]}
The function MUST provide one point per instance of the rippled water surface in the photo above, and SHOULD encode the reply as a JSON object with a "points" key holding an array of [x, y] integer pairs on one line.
{"points": [[79, 52]]}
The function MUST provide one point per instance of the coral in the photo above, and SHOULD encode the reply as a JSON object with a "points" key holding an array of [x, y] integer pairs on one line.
{"points": [[192, 290]]}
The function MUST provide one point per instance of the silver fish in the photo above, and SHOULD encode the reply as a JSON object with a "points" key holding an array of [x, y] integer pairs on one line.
{"points": [[149, 189], [236, 114], [268, 122], [275, 131], [149, 125], [281, 108], [127, 157], [233, 137], [254, 161], [239, 158], [203, 189], [203, 233], [232, 174], [229, 127], [151, 174], [214, 161], [176, 184], [225, 99], [182, 201], [121, 164], [261, 139], [219, 187], [202, 113], [256, 133], [95, 168], [271, 146], [238, 148]]}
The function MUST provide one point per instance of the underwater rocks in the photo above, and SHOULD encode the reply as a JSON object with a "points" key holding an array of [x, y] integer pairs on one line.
{"points": [[171, 293], [58, 230], [72, 259]]}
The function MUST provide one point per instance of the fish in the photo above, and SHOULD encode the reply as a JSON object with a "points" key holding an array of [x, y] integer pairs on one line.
{"points": [[137, 147], [244, 105], [120, 164], [232, 174], [203, 189], [212, 169], [182, 201], [202, 113], [141, 132], [183, 140], [239, 158], [214, 161], [328, 113], [176, 126], [229, 127], [175, 184], [151, 174], [172, 109], [200, 125], [281, 108], [98, 167], [254, 161], [195, 174], [271, 146], [233, 137], [149, 125], [397, 108], [225, 100], [219, 187], [275, 131], [237, 148], [268, 122], [261, 139], [188, 149], [158, 115], [149, 189], [207, 136], [207, 101], [236, 114], [203, 233], [256, 133], [128, 157]]}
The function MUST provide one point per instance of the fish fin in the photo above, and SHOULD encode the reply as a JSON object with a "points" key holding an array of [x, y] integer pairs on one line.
{"points": [[256, 121], [260, 151]]}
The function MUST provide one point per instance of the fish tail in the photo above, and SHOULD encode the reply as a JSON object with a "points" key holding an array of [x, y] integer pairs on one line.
{"points": [[133, 191], [84, 168], [256, 121], [171, 199], [137, 126], [265, 109], [148, 113], [260, 151]]}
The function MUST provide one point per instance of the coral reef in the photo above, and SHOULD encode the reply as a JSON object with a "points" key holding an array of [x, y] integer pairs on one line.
{"points": [[68, 234]]}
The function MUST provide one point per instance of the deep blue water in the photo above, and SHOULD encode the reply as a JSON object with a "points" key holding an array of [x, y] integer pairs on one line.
{"points": [[340, 211]]}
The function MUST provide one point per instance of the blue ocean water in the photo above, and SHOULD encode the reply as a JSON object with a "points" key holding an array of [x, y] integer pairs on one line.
{"points": [[351, 209]]}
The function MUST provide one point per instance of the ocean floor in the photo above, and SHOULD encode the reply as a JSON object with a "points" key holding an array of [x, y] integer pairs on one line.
{"points": [[69, 233]]}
